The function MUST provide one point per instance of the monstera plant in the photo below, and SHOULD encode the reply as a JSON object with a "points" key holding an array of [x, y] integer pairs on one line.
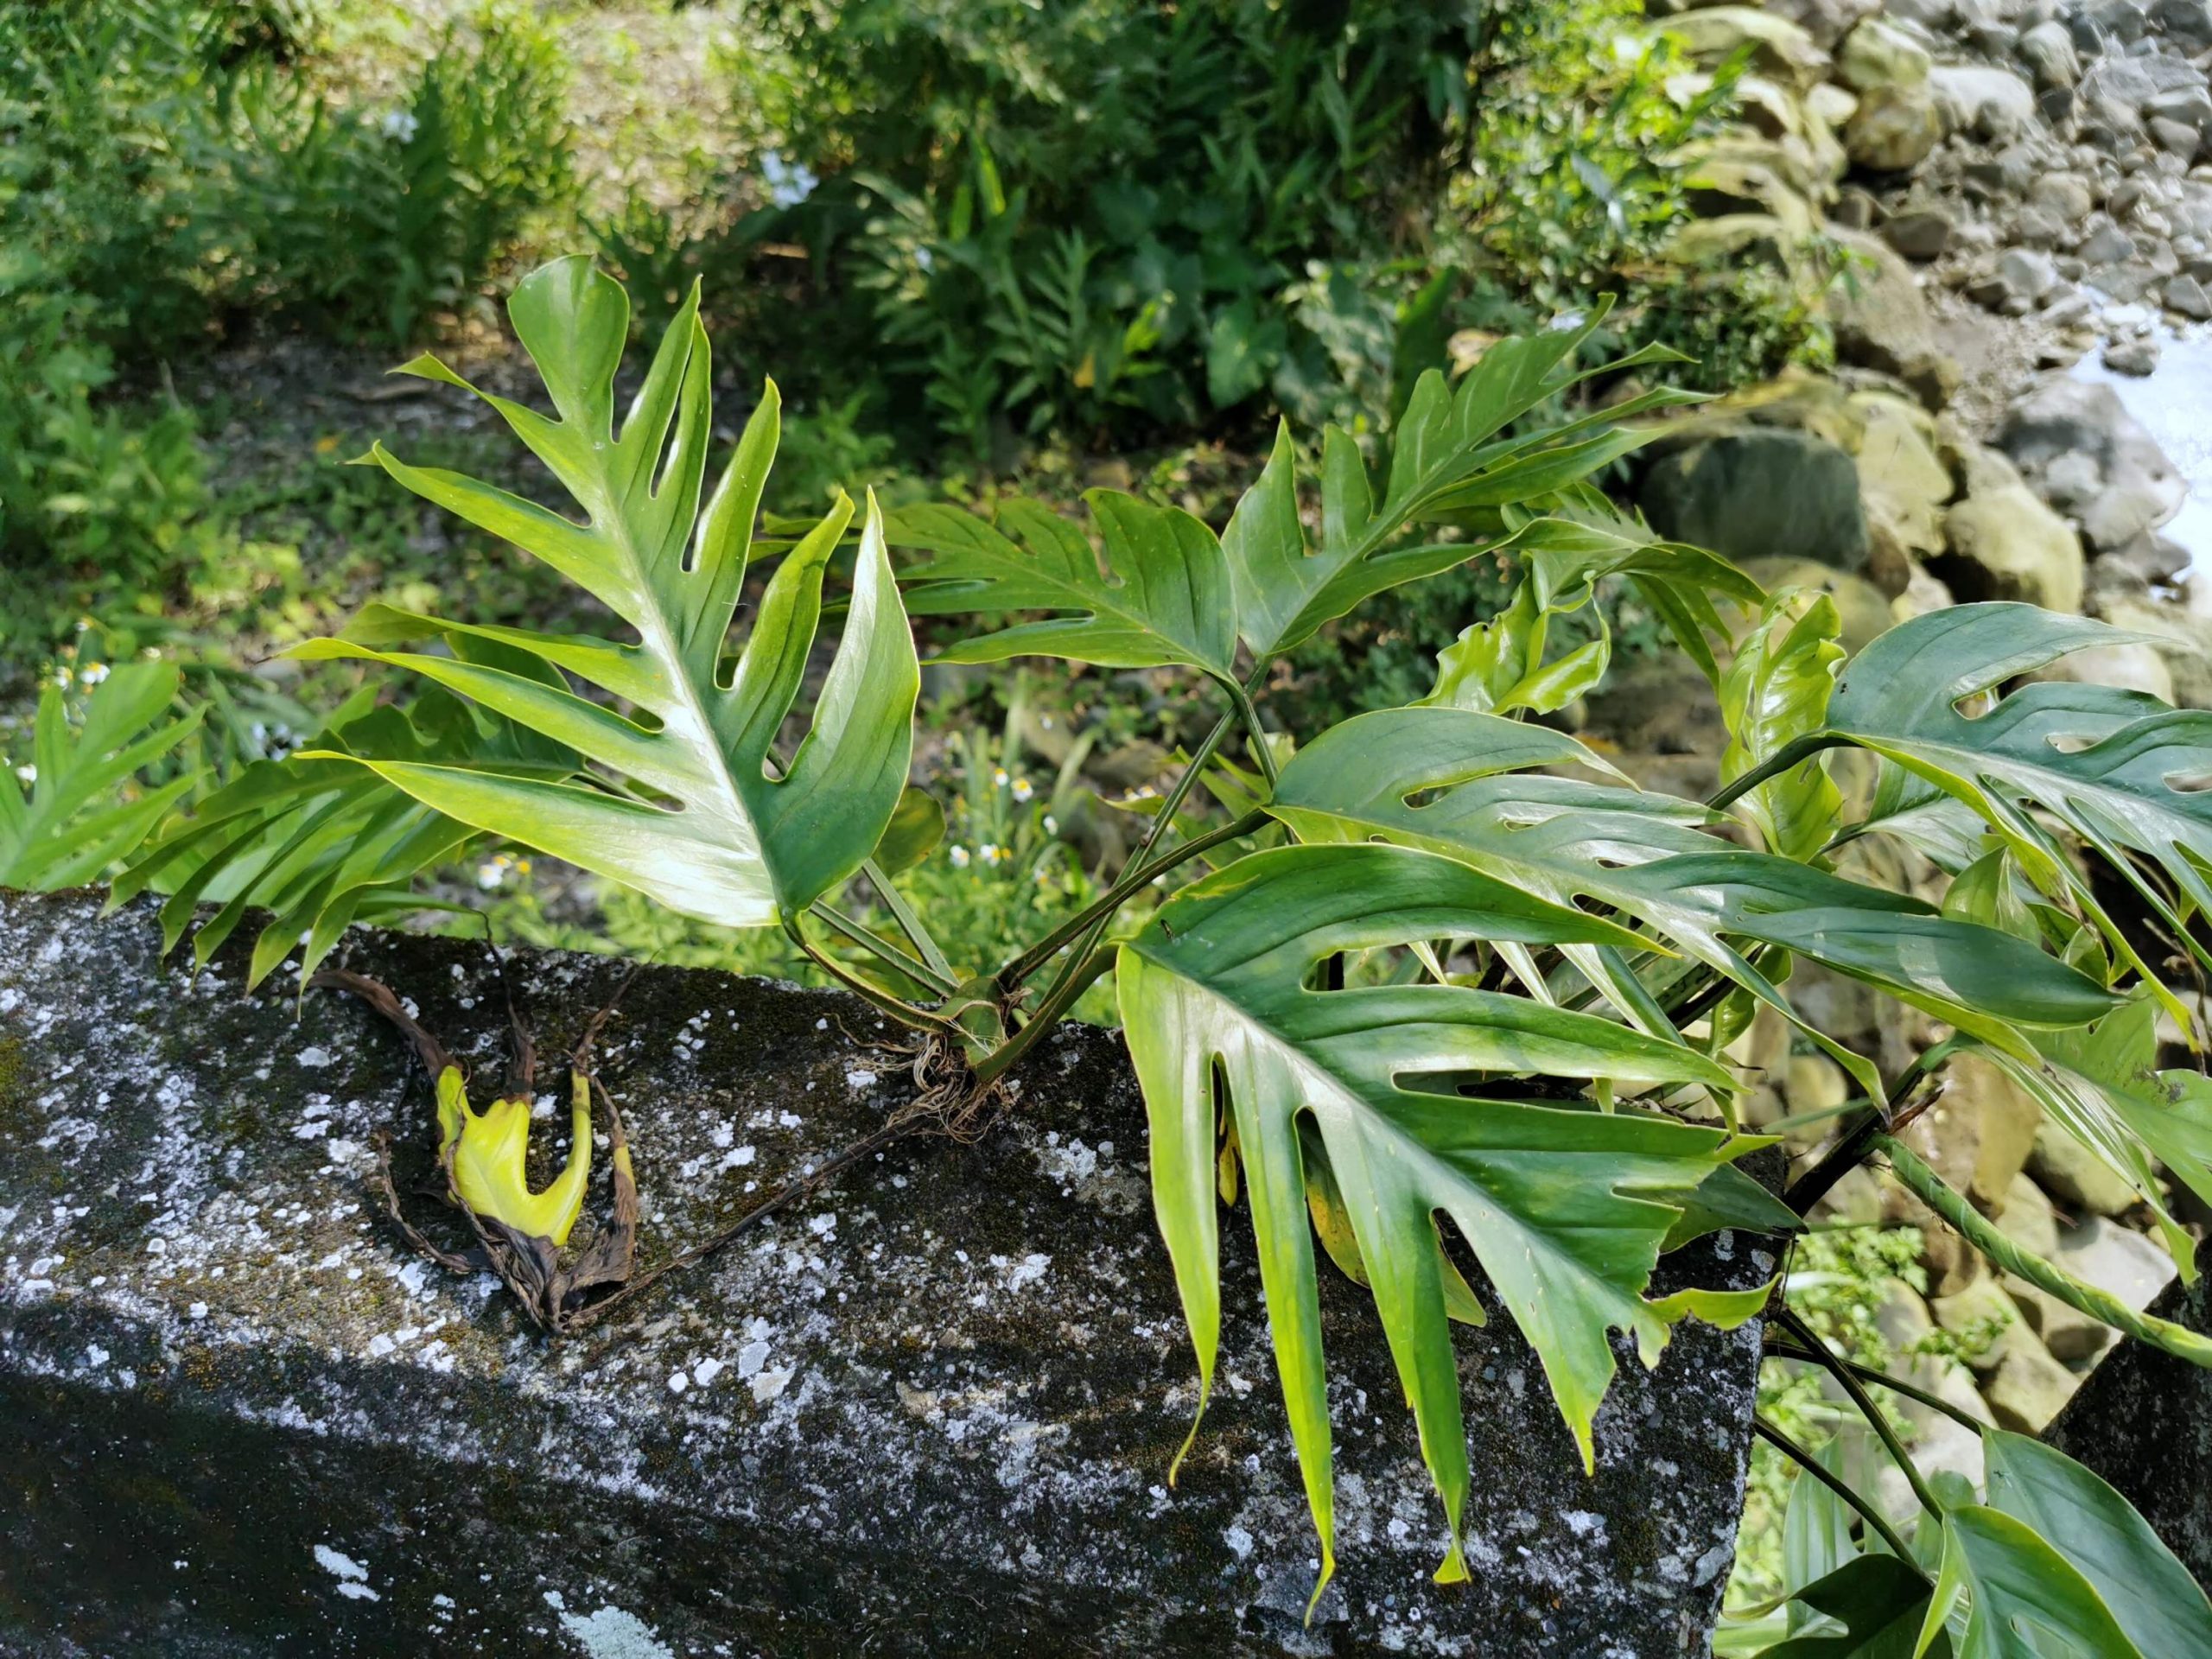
{"points": [[1438, 989]]}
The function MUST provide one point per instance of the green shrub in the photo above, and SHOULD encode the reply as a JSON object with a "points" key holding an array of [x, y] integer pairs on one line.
{"points": [[1576, 181], [173, 163], [1092, 217]]}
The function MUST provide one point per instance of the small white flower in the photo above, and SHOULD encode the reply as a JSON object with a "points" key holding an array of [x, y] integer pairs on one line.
{"points": [[28, 772], [1023, 789], [959, 858], [788, 185], [399, 125], [61, 679], [1000, 778], [990, 852], [491, 873], [1051, 825], [93, 673]]}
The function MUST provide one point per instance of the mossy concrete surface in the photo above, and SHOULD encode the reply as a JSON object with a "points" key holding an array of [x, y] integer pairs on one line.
{"points": [[928, 1411]]}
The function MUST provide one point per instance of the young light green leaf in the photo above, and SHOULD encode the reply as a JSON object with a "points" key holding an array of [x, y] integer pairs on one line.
{"points": [[74, 807], [1565, 1209], [1775, 692], [712, 826], [2148, 1590], [1167, 600]]}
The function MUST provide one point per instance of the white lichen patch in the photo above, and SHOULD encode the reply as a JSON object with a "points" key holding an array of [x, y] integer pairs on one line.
{"points": [[612, 1633], [353, 1577]]}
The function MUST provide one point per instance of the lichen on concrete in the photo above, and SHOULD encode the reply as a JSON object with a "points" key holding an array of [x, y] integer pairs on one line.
{"points": [[930, 1410]]}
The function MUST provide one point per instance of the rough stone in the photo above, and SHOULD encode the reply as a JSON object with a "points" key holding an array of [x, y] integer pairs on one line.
{"points": [[2144, 1421], [1982, 1320], [1922, 234], [1826, 20], [1877, 56], [1882, 322], [1745, 493], [2075, 1176], [2187, 24], [2048, 50], [2187, 295], [2137, 487], [2029, 1387], [1777, 47], [936, 1404], [2137, 356], [1893, 130], [1983, 100], [1902, 484], [2004, 543]]}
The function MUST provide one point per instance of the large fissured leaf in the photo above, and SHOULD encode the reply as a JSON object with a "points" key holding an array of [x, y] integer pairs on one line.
{"points": [[1564, 1207], [685, 801], [1454, 782], [1167, 599], [2118, 769]]}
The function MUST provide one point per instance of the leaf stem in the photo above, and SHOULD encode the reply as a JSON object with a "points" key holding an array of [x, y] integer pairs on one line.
{"points": [[906, 1013], [910, 923], [1805, 1460], [1950, 1202], [875, 942], [1779, 1350], [1132, 879], [1837, 1367], [1062, 997], [1781, 761], [1255, 735]]}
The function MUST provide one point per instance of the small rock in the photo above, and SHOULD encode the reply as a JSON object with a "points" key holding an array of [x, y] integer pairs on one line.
{"points": [[1921, 234], [2105, 245], [1987, 102], [2065, 196], [1745, 493], [2029, 1387], [2138, 356], [2117, 1260], [1982, 1319], [2076, 1176], [2187, 295], [1893, 130], [2174, 138], [1877, 56], [2048, 50], [2027, 1218], [2186, 23], [2005, 543]]}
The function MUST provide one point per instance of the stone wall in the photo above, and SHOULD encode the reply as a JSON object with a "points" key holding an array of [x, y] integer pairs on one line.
{"points": [[931, 1411]]}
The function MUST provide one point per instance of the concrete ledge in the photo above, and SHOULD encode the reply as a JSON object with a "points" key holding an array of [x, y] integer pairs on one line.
{"points": [[930, 1412]]}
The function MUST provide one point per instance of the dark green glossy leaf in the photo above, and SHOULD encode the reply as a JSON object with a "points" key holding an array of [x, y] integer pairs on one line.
{"points": [[1167, 599], [2117, 769], [1879, 1601], [1565, 1209], [1449, 781], [2148, 1590], [2024, 1600]]}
